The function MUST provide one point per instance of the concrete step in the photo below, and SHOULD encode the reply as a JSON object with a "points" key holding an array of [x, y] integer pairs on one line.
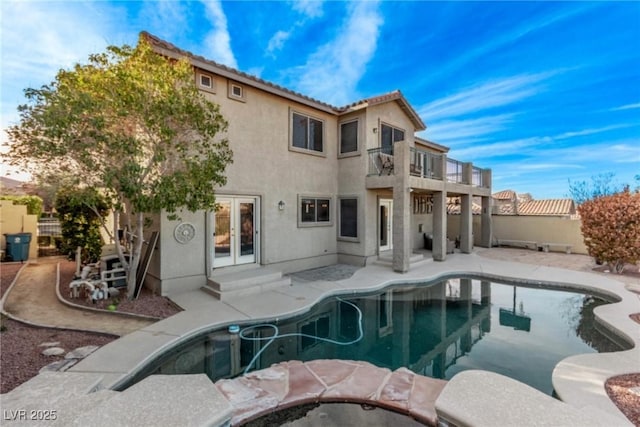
{"points": [[223, 285], [386, 259]]}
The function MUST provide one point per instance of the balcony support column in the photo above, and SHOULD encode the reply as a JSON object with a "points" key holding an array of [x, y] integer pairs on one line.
{"points": [[401, 208], [439, 251], [466, 224], [486, 224]]}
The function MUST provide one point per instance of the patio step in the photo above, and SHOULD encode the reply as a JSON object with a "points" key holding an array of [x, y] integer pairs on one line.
{"points": [[223, 285], [386, 259]]}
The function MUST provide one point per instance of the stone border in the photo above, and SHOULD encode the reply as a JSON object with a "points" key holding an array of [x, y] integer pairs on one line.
{"points": [[294, 383]]}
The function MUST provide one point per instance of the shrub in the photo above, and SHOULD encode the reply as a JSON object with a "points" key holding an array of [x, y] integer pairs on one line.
{"points": [[611, 228], [81, 212]]}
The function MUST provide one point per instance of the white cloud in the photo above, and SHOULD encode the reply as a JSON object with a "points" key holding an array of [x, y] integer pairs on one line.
{"points": [[218, 40], [310, 8], [627, 107], [277, 41], [490, 94], [332, 72], [459, 131], [40, 38], [166, 17], [593, 131]]}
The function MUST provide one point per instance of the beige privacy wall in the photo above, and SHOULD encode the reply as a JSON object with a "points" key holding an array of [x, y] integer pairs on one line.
{"points": [[14, 219], [539, 229]]}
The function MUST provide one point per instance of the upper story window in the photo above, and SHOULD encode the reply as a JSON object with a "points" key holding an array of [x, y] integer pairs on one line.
{"points": [[389, 135], [205, 81], [349, 137], [307, 133], [236, 91]]}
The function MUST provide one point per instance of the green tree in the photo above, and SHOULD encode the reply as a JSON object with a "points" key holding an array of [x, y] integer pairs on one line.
{"points": [[131, 123], [81, 212], [611, 228]]}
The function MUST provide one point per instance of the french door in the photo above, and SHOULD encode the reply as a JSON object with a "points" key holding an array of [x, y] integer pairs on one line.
{"points": [[385, 219], [235, 225]]}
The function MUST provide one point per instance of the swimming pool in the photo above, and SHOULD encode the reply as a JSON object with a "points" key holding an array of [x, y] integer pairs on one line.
{"points": [[435, 329]]}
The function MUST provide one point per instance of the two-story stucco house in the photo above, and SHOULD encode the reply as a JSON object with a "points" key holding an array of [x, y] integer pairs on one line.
{"points": [[312, 185]]}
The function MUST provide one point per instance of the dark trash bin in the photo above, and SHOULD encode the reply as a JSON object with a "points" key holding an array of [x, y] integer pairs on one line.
{"points": [[18, 246]]}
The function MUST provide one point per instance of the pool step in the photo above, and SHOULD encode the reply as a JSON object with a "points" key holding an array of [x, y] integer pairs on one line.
{"points": [[223, 285]]}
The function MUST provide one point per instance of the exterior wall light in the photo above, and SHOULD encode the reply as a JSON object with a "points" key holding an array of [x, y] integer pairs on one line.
{"points": [[281, 205], [375, 130]]}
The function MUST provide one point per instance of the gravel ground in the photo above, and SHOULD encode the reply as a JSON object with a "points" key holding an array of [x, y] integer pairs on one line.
{"points": [[147, 303], [21, 355], [9, 270], [20, 351]]}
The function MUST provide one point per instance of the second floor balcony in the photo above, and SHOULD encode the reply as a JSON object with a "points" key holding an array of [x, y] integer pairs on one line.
{"points": [[424, 165]]}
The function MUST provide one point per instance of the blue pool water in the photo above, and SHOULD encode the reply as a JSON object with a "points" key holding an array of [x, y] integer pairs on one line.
{"points": [[435, 329]]}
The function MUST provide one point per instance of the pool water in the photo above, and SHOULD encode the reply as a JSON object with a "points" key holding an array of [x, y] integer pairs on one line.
{"points": [[435, 329]]}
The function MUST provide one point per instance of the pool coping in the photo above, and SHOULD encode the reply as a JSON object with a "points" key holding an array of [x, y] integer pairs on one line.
{"points": [[578, 380]]}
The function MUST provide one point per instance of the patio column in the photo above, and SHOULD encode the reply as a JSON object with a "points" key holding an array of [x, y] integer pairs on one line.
{"points": [[486, 225], [466, 224], [401, 208], [439, 252]]}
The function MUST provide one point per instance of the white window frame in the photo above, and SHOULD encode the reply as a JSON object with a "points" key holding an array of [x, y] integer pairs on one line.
{"points": [[231, 85], [211, 88], [303, 149], [315, 223]]}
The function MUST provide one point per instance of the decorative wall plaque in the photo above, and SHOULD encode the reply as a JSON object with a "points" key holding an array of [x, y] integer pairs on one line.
{"points": [[184, 232]]}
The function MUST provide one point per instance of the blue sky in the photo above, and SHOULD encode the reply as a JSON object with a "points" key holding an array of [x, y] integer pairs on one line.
{"points": [[539, 92]]}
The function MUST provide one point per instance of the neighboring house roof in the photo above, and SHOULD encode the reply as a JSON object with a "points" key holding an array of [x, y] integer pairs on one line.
{"points": [[547, 207], [165, 48], [454, 207], [505, 195], [525, 197]]}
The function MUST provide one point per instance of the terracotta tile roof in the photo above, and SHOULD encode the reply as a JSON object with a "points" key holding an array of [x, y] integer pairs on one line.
{"points": [[165, 48], [454, 207], [547, 207], [505, 195]]}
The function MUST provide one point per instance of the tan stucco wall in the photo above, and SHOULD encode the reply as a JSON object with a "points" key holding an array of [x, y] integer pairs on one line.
{"points": [[540, 229], [263, 166], [14, 219]]}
